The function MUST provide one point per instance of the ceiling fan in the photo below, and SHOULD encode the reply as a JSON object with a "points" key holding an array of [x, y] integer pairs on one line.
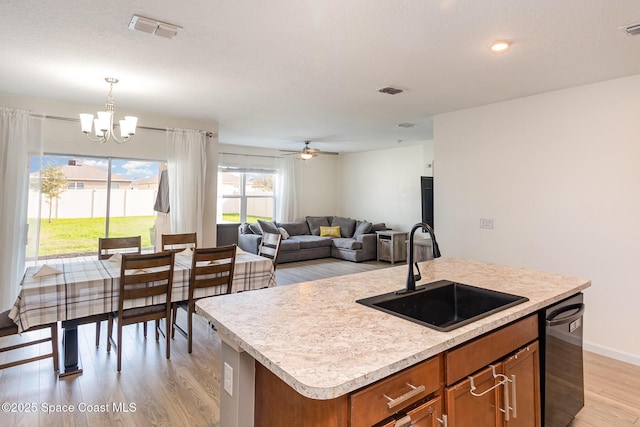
{"points": [[308, 153]]}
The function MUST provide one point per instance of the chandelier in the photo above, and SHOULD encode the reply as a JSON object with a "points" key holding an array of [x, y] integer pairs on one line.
{"points": [[103, 125]]}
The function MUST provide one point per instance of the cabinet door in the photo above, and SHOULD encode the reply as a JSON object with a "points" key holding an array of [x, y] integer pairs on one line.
{"points": [[524, 366], [423, 415], [427, 414], [466, 410]]}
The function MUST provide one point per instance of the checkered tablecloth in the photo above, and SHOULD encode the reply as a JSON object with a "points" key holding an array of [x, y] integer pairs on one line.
{"points": [[87, 288]]}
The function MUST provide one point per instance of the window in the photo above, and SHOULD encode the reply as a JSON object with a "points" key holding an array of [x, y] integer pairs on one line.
{"points": [[245, 195], [71, 203], [75, 185]]}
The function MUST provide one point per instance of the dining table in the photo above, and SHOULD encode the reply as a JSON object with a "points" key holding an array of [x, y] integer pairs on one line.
{"points": [[76, 293]]}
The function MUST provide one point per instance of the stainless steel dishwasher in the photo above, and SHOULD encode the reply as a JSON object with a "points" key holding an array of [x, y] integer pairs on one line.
{"points": [[563, 382]]}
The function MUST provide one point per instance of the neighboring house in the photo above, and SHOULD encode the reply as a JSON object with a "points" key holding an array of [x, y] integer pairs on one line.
{"points": [[148, 183], [230, 183], [86, 177]]}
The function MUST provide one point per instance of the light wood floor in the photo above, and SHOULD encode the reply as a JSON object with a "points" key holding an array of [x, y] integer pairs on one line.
{"points": [[184, 391]]}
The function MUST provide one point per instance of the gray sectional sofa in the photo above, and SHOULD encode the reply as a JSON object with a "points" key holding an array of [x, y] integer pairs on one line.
{"points": [[303, 240]]}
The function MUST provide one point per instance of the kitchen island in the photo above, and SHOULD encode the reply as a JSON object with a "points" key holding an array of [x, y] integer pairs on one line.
{"points": [[317, 340]]}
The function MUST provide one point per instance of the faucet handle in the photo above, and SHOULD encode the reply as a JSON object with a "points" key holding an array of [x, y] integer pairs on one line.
{"points": [[417, 277]]}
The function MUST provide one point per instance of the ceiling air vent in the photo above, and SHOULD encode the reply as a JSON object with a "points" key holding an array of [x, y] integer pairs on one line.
{"points": [[633, 29], [390, 90], [151, 26]]}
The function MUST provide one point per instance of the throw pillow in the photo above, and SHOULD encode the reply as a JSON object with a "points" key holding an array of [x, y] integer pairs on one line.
{"points": [[268, 227], [284, 233], [347, 225], [315, 222], [255, 228], [330, 231], [363, 227], [381, 226], [296, 228]]}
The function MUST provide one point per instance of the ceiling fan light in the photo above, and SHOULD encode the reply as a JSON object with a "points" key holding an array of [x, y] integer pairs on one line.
{"points": [[306, 156]]}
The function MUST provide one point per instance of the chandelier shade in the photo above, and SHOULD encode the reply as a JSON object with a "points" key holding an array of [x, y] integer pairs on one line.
{"points": [[102, 126]]}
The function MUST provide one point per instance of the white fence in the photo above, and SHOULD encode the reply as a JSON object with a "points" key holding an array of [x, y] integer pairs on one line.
{"points": [[93, 203], [262, 207]]}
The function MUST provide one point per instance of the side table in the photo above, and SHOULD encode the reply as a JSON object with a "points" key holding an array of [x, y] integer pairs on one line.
{"points": [[422, 250], [391, 246]]}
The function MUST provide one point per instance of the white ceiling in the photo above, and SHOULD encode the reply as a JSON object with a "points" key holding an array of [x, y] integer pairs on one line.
{"points": [[274, 73]]}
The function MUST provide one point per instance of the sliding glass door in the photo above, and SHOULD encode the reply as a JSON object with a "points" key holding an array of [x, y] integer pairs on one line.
{"points": [[74, 201]]}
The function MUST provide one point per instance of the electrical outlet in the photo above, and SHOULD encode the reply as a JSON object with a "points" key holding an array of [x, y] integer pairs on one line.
{"points": [[486, 223], [228, 379]]}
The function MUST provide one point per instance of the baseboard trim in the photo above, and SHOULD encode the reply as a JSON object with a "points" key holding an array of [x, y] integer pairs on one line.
{"points": [[614, 354]]}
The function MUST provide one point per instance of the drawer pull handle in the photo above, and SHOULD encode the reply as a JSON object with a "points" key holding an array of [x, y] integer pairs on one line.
{"points": [[408, 395]]}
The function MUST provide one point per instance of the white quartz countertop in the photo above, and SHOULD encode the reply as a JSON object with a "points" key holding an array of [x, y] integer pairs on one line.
{"points": [[317, 339]]}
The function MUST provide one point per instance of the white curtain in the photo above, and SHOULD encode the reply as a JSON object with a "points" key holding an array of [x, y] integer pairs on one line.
{"points": [[18, 132], [187, 166], [287, 206]]}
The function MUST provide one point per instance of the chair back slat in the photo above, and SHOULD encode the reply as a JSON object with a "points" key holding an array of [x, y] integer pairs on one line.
{"points": [[179, 242], [157, 278], [223, 259], [107, 246], [270, 247]]}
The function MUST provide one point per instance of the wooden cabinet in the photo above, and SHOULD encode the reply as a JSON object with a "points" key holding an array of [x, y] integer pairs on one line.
{"points": [[464, 409], [410, 392], [392, 395], [427, 414], [505, 392], [524, 368], [482, 377]]}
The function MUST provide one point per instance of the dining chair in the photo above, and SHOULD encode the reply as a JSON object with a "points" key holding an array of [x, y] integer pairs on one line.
{"points": [[107, 247], [8, 328], [209, 267], [148, 277], [178, 242], [270, 247]]}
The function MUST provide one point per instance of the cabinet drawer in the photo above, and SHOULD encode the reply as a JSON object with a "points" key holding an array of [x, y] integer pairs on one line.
{"points": [[468, 358], [369, 405]]}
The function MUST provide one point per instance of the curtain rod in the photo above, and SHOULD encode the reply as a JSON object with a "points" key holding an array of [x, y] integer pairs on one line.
{"points": [[250, 155], [70, 119]]}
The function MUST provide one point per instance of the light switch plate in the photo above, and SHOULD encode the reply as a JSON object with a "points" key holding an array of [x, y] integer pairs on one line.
{"points": [[228, 379], [486, 223]]}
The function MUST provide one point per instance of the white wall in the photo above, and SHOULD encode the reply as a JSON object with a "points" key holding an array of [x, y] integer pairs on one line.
{"points": [[62, 137], [384, 185], [320, 185], [558, 174]]}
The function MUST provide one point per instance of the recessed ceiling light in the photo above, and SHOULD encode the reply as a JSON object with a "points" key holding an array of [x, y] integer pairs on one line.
{"points": [[499, 46]]}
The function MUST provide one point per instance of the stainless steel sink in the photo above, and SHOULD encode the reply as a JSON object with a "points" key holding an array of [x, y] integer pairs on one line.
{"points": [[443, 305]]}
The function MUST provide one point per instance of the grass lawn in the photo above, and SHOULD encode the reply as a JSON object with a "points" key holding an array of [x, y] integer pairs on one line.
{"points": [[79, 236], [72, 236], [250, 218]]}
